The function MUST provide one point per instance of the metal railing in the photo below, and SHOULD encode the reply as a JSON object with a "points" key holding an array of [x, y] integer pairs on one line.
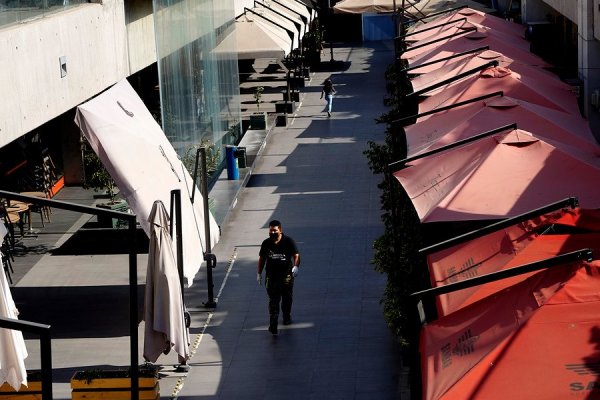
{"points": [[131, 220], [45, 348]]}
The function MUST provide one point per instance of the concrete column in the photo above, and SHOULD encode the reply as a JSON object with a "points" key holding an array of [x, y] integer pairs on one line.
{"points": [[71, 149], [589, 60]]}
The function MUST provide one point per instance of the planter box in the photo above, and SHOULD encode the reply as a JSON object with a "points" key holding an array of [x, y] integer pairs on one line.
{"points": [[286, 107], [281, 121], [113, 385], [294, 94], [33, 391], [258, 120], [106, 222]]}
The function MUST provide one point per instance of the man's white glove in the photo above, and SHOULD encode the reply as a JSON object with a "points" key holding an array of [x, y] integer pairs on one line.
{"points": [[258, 278], [295, 271]]}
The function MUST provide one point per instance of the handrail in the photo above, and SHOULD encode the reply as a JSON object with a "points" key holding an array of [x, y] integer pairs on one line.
{"points": [[43, 331], [133, 288]]}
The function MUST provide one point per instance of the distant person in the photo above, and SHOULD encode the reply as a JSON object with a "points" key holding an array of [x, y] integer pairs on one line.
{"points": [[279, 254], [328, 91]]}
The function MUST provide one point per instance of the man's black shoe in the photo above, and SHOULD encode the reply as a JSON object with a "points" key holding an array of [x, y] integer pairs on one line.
{"points": [[273, 329], [287, 321]]}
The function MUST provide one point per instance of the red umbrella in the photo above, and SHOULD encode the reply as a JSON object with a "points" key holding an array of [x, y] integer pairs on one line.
{"points": [[537, 339], [465, 40], [473, 63], [559, 129], [497, 177], [439, 24], [511, 84], [513, 246]]}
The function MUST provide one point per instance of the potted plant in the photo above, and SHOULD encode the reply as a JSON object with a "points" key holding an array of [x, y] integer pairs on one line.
{"points": [[96, 177], [109, 384], [258, 120]]}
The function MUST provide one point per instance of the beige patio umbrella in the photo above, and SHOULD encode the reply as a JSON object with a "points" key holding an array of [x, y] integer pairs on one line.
{"points": [[165, 327], [12, 346], [364, 6]]}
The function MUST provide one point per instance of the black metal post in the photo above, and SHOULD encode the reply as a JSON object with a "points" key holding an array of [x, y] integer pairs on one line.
{"points": [[176, 220], [208, 256], [133, 302], [45, 348], [330, 29], [133, 310], [404, 120], [570, 202], [493, 63], [439, 60], [46, 363], [581, 254], [397, 165]]}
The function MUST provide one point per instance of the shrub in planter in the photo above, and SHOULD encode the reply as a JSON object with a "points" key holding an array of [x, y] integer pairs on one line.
{"points": [[114, 384]]}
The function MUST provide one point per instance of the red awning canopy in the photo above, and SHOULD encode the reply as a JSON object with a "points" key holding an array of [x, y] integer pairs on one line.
{"points": [[469, 65], [511, 29], [470, 41], [537, 339], [537, 91], [497, 177], [507, 248], [557, 128]]}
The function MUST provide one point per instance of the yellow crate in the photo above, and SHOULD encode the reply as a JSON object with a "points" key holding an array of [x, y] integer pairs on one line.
{"points": [[113, 388], [33, 391]]}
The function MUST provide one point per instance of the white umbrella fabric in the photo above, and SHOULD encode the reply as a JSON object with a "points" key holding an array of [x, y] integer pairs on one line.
{"points": [[12, 345], [145, 166], [165, 327]]}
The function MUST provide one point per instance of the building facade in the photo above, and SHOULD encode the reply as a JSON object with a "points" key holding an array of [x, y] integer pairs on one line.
{"points": [[58, 54]]}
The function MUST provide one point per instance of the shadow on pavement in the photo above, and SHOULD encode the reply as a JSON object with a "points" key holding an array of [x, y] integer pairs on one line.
{"points": [[78, 312], [101, 241]]}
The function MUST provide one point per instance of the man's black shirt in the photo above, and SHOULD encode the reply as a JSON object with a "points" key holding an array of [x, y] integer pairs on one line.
{"points": [[279, 257]]}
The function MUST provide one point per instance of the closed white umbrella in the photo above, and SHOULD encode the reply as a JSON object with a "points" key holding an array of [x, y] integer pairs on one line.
{"points": [[165, 327], [12, 346]]}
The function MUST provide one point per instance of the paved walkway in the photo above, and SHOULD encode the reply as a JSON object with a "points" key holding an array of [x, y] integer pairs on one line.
{"points": [[312, 175]]}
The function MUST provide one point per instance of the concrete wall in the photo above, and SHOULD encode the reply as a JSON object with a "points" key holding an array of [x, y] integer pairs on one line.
{"points": [[99, 51], [141, 45], [240, 4], [568, 8]]}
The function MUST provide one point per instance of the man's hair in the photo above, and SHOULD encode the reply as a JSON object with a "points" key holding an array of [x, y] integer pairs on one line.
{"points": [[275, 223]]}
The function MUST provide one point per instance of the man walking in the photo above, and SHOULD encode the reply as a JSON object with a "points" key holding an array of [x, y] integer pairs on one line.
{"points": [[279, 254]]}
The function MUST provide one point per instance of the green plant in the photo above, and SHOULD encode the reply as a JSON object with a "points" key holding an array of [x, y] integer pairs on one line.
{"points": [[213, 156], [258, 92], [144, 371], [235, 132], [396, 250], [96, 176]]}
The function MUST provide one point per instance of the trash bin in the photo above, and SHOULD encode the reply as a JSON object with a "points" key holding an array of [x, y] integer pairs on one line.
{"points": [[233, 171], [240, 155]]}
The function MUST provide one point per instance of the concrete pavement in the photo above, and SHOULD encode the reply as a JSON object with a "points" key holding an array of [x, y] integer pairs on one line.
{"points": [[311, 175]]}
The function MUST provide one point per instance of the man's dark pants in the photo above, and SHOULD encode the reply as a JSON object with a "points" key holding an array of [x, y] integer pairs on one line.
{"points": [[280, 292]]}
